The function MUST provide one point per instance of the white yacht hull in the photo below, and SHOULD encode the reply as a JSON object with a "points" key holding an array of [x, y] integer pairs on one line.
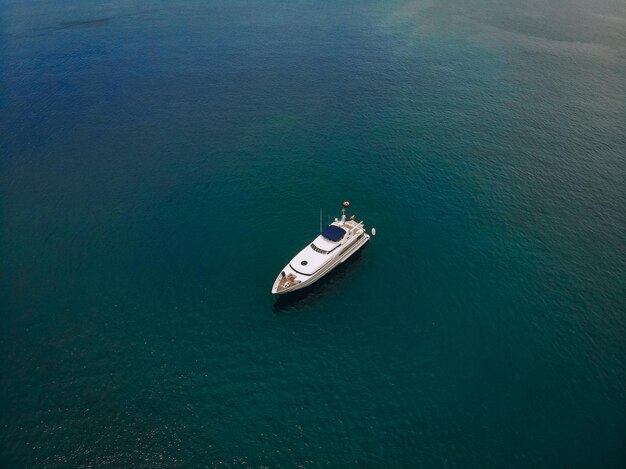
{"points": [[346, 251]]}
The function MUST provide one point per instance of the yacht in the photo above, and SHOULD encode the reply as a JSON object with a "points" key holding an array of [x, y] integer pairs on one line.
{"points": [[336, 243]]}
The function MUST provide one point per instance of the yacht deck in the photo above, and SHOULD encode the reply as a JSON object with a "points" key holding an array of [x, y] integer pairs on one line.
{"points": [[285, 282], [350, 225]]}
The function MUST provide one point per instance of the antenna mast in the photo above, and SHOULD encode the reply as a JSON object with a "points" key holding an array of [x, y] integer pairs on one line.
{"points": [[320, 220]]}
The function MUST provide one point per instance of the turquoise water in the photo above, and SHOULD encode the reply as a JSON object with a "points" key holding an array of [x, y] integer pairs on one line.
{"points": [[162, 161]]}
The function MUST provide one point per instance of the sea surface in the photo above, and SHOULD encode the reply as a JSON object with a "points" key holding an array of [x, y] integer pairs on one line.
{"points": [[161, 161]]}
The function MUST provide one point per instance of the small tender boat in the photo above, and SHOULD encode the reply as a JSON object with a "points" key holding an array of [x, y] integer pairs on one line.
{"points": [[337, 242]]}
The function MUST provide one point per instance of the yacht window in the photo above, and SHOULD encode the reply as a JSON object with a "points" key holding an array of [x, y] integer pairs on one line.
{"points": [[304, 262], [316, 249]]}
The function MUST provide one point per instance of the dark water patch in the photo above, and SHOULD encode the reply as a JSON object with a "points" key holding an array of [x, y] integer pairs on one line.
{"points": [[106, 19], [86, 22]]}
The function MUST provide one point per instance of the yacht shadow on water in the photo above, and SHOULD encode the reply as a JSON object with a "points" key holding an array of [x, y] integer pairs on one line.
{"points": [[312, 293]]}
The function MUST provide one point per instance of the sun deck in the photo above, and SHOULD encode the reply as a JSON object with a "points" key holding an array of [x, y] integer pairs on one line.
{"points": [[285, 282]]}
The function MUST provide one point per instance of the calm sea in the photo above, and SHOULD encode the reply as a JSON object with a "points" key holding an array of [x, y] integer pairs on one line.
{"points": [[161, 161]]}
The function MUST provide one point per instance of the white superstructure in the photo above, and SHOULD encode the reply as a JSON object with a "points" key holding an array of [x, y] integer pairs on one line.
{"points": [[335, 244]]}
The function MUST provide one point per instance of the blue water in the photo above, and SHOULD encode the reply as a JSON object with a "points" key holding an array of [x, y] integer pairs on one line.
{"points": [[160, 162]]}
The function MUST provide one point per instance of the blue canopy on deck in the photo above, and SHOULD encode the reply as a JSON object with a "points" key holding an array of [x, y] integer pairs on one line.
{"points": [[333, 233]]}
